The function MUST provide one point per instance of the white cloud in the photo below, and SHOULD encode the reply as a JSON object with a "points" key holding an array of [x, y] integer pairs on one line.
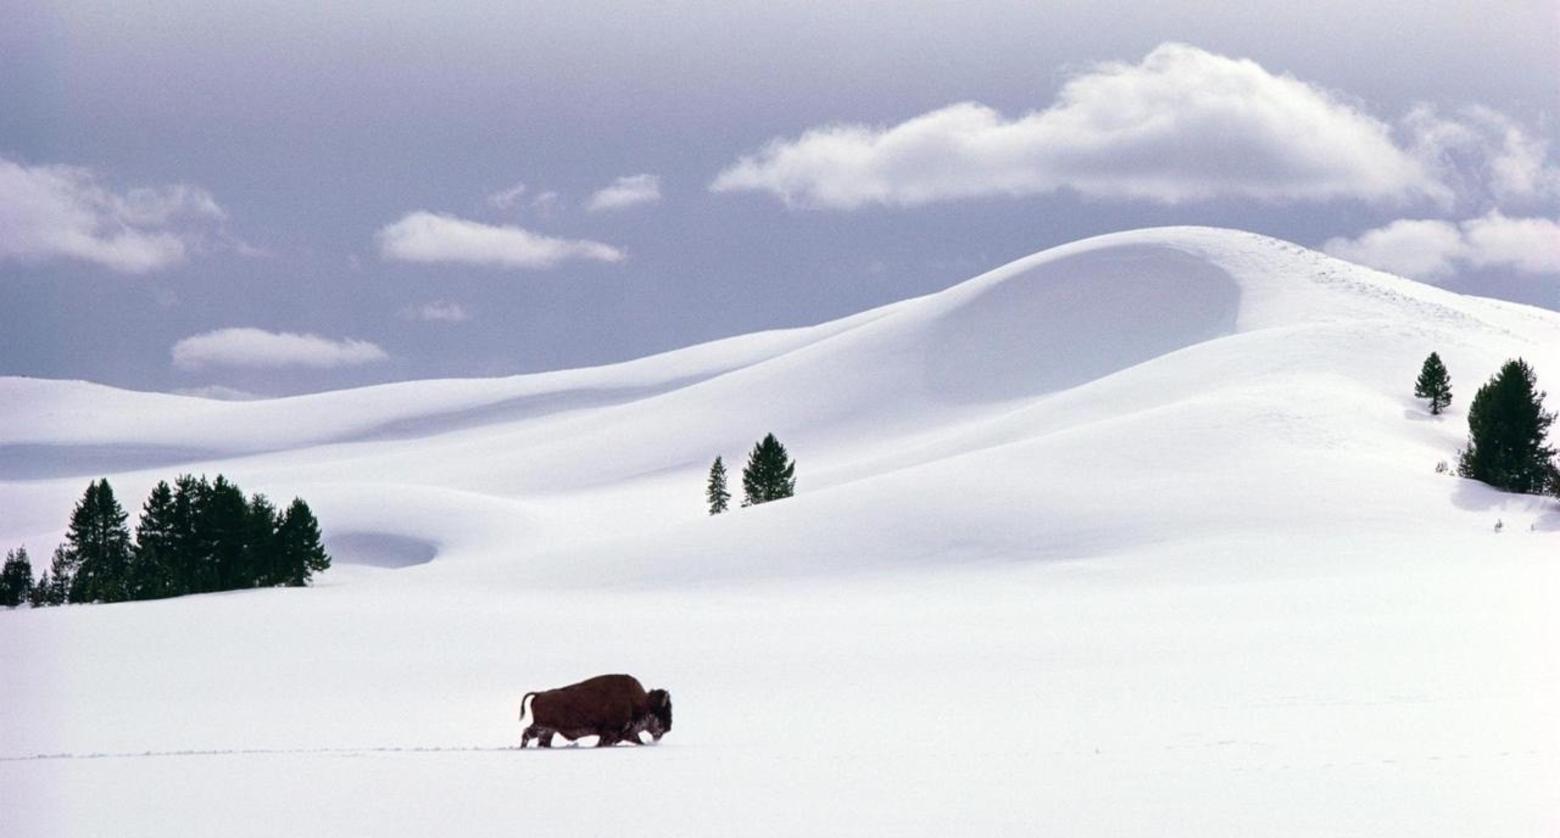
{"points": [[64, 212], [1431, 249], [1418, 248], [431, 237], [439, 311], [1181, 125], [506, 198], [1486, 154], [1530, 245], [626, 191], [248, 347]]}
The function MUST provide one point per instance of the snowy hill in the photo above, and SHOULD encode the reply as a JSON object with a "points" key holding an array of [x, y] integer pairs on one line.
{"points": [[1137, 535]]}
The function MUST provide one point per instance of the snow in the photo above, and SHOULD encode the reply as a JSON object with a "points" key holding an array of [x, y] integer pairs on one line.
{"points": [[1141, 535]]}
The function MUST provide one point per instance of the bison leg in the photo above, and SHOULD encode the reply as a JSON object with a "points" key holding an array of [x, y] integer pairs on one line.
{"points": [[527, 735], [632, 736], [607, 739], [544, 737]]}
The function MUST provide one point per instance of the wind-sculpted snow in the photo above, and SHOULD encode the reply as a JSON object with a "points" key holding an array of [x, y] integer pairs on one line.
{"points": [[1073, 319], [379, 549], [1294, 359], [1141, 535], [1083, 347]]}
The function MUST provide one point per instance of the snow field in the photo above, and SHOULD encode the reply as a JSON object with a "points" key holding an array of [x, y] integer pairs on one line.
{"points": [[1136, 536]]}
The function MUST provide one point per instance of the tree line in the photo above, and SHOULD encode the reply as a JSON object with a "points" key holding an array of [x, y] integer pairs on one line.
{"points": [[1508, 427], [196, 536], [770, 474]]}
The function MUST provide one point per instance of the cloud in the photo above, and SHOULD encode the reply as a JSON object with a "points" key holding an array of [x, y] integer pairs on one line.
{"points": [[64, 212], [506, 198], [1181, 125], [546, 203], [249, 347], [1432, 249], [1530, 245], [1485, 154], [431, 237], [627, 191], [1422, 249], [438, 311]]}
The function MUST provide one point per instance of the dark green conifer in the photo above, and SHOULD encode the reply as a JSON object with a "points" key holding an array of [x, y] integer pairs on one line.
{"points": [[99, 543], [770, 473], [40, 592], [1434, 384], [221, 527], [263, 566], [152, 563], [187, 552], [298, 536], [16, 578], [60, 570], [715, 491], [1507, 430]]}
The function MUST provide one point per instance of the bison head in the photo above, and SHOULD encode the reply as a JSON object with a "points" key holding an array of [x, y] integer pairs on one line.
{"points": [[660, 719]]}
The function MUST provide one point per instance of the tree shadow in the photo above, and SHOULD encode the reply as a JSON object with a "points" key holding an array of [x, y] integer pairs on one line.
{"points": [[1472, 495], [1478, 497], [1549, 519], [1421, 414]]}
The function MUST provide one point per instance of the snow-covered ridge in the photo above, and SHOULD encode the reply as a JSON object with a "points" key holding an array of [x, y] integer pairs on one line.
{"points": [[1038, 321], [1186, 336]]}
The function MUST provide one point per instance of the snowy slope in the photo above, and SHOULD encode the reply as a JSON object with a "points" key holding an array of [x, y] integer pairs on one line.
{"points": [[1137, 535]]}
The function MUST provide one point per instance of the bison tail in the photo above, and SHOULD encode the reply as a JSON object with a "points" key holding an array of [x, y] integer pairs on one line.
{"points": [[522, 704]]}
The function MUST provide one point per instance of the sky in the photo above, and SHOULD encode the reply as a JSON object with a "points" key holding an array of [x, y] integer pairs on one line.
{"points": [[265, 198]]}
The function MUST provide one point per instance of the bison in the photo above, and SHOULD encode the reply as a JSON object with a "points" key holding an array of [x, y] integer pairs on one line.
{"points": [[612, 707]]}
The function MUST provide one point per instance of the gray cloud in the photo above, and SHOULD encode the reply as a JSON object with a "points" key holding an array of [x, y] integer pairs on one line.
{"points": [[438, 311], [545, 203], [1181, 125], [1485, 154], [1431, 249], [626, 191], [249, 347], [506, 198], [432, 237], [65, 212]]}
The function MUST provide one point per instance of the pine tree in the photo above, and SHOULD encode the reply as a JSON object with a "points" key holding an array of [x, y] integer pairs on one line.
{"points": [[1507, 426], [40, 592], [151, 563], [770, 473], [16, 578], [80, 520], [60, 570], [298, 539], [187, 553], [262, 552], [100, 546], [1434, 384], [221, 526], [715, 492]]}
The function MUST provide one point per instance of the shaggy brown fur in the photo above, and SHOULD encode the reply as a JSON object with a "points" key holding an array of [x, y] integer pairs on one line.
{"points": [[612, 707]]}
